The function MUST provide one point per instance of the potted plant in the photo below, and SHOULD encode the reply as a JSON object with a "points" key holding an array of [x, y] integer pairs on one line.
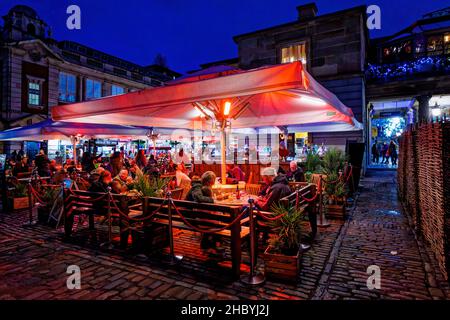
{"points": [[312, 165], [151, 236], [20, 197], [335, 189], [282, 255]]}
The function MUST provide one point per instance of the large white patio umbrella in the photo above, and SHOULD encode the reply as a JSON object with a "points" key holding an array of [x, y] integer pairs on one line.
{"points": [[281, 95]]}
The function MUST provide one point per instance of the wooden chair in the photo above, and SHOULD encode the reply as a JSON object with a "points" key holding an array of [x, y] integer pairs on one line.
{"points": [[177, 193], [253, 188]]}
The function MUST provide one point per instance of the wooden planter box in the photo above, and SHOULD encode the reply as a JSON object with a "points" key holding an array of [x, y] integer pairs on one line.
{"points": [[19, 203], [281, 267], [336, 211]]}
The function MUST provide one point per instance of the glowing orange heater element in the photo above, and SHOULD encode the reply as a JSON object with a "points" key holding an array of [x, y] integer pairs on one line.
{"points": [[227, 108]]}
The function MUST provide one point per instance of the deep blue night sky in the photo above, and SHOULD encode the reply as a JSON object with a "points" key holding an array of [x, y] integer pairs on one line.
{"points": [[191, 32]]}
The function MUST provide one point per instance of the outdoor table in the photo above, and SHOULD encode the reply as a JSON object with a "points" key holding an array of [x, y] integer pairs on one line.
{"points": [[218, 188], [232, 201]]}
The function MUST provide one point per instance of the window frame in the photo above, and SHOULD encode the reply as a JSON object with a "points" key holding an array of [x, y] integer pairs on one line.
{"points": [[93, 97], [36, 92], [287, 45], [67, 93], [117, 86]]}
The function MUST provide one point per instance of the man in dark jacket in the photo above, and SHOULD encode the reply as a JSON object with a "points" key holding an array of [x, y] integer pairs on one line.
{"points": [[201, 189], [295, 173], [42, 164], [279, 188]]}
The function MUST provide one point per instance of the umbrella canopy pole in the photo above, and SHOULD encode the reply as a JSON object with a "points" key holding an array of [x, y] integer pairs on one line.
{"points": [[74, 146], [223, 159]]}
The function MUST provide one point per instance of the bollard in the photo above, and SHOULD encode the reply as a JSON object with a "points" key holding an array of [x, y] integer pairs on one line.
{"points": [[174, 259], [322, 219], [30, 222], [253, 278], [109, 244]]}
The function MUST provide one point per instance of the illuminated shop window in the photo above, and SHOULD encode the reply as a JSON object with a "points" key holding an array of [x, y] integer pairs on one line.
{"points": [[293, 53]]}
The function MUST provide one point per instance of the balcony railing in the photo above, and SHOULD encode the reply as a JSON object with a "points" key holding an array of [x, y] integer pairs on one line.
{"points": [[406, 70]]}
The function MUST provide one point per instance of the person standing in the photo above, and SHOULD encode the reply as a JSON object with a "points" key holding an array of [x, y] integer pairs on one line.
{"points": [[384, 152], [393, 153], [42, 164], [375, 155]]}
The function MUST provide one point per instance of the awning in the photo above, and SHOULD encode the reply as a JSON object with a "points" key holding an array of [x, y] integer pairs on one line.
{"points": [[57, 130], [281, 95]]}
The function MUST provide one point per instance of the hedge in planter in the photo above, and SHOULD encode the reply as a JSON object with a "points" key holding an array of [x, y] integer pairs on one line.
{"points": [[19, 198], [282, 256]]}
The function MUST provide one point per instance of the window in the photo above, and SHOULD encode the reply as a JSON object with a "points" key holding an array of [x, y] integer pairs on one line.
{"points": [[34, 93], [115, 90], [435, 45], [293, 53], [447, 43], [67, 87], [93, 89]]}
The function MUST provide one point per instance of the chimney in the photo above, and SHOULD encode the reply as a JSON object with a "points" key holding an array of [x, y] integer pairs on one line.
{"points": [[307, 11]]}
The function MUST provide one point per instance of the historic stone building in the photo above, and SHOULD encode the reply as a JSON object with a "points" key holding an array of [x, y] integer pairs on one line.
{"points": [[332, 48], [38, 72], [402, 77]]}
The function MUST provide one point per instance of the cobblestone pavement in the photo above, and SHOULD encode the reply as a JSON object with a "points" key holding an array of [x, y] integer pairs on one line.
{"points": [[33, 262]]}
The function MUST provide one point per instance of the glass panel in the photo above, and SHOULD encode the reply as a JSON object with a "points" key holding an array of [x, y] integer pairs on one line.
{"points": [[93, 89], [115, 90], [294, 53]]}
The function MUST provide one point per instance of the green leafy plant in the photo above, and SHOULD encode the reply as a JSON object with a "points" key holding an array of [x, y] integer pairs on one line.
{"points": [[20, 190], [150, 187], [333, 161], [287, 229], [312, 163]]}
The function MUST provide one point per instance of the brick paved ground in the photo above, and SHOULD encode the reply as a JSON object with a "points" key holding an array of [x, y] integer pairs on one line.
{"points": [[33, 262]]}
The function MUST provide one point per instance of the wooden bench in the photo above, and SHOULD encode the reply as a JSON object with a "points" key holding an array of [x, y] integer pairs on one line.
{"points": [[78, 202], [203, 216], [296, 199]]}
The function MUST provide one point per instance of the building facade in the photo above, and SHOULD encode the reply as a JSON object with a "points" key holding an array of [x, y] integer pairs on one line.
{"points": [[387, 82], [333, 49], [38, 72]]}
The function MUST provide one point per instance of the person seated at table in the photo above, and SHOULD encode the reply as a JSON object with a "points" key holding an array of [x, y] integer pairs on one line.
{"points": [[123, 178], [53, 166], [20, 167], [182, 180], [201, 190], [295, 173], [134, 170], [279, 188], [235, 173], [69, 166], [102, 184], [59, 176], [118, 188], [141, 160]]}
